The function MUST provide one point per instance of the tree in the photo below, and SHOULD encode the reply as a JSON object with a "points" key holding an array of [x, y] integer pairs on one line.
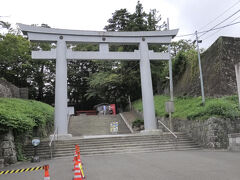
{"points": [[119, 21], [79, 72], [138, 20], [181, 45], [14, 59], [128, 71]]}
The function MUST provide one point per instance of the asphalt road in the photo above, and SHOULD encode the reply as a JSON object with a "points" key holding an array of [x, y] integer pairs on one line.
{"points": [[174, 165]]}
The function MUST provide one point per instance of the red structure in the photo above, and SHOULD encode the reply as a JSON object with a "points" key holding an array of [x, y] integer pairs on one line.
{"points": [[87, 112], [113, 107]]}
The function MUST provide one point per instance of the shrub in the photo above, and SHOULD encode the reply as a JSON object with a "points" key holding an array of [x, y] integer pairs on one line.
{"points": [[190, 107], [23, 117], [217, 109], [137, 123]]}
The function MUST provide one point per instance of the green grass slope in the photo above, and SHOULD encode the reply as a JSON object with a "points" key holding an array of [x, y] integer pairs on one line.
{"points": [[191, 108], [23, 115]]}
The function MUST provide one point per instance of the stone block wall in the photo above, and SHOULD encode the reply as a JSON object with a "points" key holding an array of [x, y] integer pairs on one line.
{"points": [[218, 71], [9, 90], [234, 142], [211, 133], [23, 93], [8, 153]]}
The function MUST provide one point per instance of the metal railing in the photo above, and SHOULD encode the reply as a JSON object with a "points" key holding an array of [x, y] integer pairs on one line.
{"points": [[168, 129], [52, 141], [126, 122]]}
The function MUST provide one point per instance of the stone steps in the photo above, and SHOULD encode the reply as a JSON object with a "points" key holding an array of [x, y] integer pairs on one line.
{"points": [[92, 133], [114, 145], [95, 125], [91, 147], [99, 144]]}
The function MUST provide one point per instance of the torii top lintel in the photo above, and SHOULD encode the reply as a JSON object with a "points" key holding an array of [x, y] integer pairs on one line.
{"points": [[103, 38], [51, 34]]}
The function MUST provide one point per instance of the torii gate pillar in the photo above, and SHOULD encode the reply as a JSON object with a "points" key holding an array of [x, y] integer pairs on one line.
{"points": [[60, 113], [150, 123]]}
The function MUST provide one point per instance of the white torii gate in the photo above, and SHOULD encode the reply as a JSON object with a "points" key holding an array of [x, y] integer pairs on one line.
{"points": [[62, 54]]}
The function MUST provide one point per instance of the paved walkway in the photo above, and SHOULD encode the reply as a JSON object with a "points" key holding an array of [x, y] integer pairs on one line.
{"points": [[180, 165]]}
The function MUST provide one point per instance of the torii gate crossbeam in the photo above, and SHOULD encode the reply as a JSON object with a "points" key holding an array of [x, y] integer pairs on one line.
{"points": [[62, 54]]}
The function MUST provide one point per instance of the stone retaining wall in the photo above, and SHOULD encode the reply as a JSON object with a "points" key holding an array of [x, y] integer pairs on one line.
{"points": [[211, 133], [7, 89], [234, 142], [8, 153]]}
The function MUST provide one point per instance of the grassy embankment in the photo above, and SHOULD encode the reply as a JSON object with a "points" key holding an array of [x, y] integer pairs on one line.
{"points": [[26, 118], [191, 108]]}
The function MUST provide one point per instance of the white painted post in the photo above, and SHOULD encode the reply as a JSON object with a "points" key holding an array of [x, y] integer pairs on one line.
{"points": [[60, 119], [147, 90], [237, 71]]}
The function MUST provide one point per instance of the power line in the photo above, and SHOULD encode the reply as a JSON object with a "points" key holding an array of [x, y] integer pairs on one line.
{"points": [[184, 35], [220, 23], [220, 15], [222, 28]]}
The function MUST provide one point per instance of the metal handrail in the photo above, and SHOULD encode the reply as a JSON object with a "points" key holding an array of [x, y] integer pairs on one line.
{"points": [[168, 129], [52, 140]]}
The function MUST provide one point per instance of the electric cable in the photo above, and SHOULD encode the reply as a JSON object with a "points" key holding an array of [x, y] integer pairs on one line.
{"points": [[221, 27], [219, 15], [231, 23], [220, 23]]}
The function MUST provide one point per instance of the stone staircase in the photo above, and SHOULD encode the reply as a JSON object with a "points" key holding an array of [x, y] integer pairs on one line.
{"points": [[92, 133], [100, 145], [84, 125]]}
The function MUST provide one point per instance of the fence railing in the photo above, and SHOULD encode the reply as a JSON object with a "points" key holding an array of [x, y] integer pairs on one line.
{"points": [[167, 128], [52, 142]]}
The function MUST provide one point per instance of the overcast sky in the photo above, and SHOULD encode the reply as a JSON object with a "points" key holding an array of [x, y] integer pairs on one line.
{"points": [[187, 15]]}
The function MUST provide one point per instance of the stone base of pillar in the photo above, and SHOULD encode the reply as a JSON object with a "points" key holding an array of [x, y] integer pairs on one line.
{"points": [[151, 132], [61, 136]]}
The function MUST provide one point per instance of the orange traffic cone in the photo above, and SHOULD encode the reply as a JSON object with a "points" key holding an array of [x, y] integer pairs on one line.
{"points": [[77, 172], [77, 147], [46, 173], [80, 165], [76, 152]]}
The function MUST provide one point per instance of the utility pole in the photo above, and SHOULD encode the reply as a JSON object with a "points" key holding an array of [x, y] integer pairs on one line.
{"points": [[170, 82], [200, 70], [170, 67]]}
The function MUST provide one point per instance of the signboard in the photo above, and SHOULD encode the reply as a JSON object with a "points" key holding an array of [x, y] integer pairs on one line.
{"points": [[169, 106], [35, 142], [114, 127]]}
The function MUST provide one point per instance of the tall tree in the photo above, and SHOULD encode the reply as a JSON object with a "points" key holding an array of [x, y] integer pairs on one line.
{"points": [[14, 59], [119, 21], [42, 78], [128, 71]]}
